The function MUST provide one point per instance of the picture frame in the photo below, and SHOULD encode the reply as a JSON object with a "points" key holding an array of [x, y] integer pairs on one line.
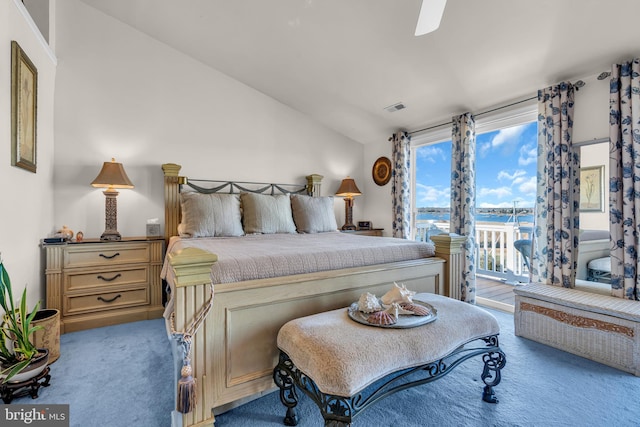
{"points": [[592, 189], [24, 109]]}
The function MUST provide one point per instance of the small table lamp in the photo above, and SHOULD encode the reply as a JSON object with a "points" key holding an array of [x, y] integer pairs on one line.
{"points": [[348, 189], [111, 176]]}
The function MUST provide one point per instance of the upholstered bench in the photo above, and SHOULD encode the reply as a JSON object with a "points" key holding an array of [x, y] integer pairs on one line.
{"points": [[599, 327], [345, 366]]}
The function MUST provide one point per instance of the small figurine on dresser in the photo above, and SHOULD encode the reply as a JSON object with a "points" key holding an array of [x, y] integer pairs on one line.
{"points": [[65, 233]]}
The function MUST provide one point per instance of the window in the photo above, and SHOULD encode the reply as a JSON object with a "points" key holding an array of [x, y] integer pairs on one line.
{"points": [[506, 157]]}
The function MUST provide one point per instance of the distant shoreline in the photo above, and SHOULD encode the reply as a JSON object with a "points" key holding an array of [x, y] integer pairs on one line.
{"points": [[482, 211]]}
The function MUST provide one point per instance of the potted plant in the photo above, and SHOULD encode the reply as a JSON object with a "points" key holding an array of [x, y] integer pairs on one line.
{"points": [[19, 357]]}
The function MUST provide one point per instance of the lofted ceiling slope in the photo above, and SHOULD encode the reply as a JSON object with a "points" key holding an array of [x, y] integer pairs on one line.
{"points": [[342, 62]]}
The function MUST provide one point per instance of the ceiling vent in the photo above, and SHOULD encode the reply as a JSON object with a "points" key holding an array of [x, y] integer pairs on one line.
{"points": [[395, 107]]}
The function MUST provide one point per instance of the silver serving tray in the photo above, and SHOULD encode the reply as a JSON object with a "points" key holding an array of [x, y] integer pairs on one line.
{"points": [[404, 320]]}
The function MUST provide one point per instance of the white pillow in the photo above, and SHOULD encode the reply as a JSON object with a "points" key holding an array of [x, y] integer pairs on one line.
{"points": [[313, 214], [210, 215], [267, 214]]}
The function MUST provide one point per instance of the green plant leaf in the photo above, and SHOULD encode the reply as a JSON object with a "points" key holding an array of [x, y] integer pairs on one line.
{"points": [[15, 369]]}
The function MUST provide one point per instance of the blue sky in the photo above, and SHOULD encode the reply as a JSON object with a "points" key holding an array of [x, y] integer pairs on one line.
{"points": [[506, 169]]}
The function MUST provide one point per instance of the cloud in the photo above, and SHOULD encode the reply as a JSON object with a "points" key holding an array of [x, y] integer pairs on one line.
{"points": [[430, 153], [430, 196], [507, 135], [529, 186], [499, 192], [528, 155], [513, 176]]}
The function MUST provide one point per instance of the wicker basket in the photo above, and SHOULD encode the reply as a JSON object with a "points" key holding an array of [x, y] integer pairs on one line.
{"points": [[49, 336]]}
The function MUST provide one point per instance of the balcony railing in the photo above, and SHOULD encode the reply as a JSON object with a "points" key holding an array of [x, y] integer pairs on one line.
{"points": [[496, 255]]}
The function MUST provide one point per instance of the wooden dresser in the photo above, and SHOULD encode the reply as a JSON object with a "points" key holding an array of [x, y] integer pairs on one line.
{"points": [[98, 283]]}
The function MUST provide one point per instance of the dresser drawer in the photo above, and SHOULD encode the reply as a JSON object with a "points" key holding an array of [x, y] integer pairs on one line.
{"points": [[104, 278], [105, 301], [103, 255]]}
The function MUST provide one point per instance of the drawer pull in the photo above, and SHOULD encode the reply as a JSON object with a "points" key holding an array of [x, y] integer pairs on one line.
{"points": [[110, 256], [106, 279], [109, 300]]}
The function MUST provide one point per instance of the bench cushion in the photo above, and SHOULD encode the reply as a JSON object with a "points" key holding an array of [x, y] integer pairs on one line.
{"points": [[587, 301], [343, 356]]}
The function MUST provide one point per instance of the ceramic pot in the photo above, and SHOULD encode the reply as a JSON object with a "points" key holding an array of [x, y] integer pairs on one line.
{"points": [[36, 366]]}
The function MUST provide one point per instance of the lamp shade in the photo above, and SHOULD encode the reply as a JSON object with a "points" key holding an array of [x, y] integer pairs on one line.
{"points": [[348, 188], [112, 175]]}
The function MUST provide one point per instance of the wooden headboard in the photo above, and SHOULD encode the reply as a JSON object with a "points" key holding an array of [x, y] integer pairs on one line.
{"points": [[173, 183]]}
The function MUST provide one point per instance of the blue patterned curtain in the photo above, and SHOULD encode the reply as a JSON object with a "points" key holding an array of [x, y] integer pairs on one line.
{"points": [[463, 199], [400, 185], [557, 220], [624, 181]]}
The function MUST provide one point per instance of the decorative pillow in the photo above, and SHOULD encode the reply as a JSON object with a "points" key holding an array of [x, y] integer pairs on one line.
{"points": [[210, 215], [313, 214], [263, 213]]}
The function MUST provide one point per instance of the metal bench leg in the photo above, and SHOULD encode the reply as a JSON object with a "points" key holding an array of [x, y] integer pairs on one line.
{"points": [[288, 397], [493, 363]]}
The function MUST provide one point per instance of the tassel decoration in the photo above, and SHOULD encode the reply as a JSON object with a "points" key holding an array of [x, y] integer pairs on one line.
{"points": [[186, 389]]}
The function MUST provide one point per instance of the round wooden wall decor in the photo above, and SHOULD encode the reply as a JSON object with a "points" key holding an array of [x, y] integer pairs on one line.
{"points": [[381, 171]]}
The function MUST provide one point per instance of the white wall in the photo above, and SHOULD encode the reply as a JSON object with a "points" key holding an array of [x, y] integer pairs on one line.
{"points": [[377, 205], [122, 94], [27, 198]]}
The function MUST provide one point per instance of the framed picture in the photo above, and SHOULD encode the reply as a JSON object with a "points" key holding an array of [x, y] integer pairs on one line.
{"points": [[24, 99], [592, 189]]}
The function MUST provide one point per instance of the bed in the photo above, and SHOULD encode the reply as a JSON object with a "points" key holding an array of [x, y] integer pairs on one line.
{"points": [[234, 350]]}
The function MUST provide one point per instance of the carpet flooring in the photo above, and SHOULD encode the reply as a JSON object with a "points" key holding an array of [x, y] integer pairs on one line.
{"points": [[122, 376]]}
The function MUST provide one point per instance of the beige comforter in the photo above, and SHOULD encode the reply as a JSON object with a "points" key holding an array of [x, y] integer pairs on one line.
{"points": [[263, 256]]}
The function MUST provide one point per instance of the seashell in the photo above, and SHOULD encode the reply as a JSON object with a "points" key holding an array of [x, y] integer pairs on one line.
{"points": [[396, 309], [368, 303], [381, 318], [397, 294], [416, 309]]}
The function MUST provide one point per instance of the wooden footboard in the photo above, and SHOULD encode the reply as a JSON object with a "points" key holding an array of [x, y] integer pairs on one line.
{"points": [[234, 352]]}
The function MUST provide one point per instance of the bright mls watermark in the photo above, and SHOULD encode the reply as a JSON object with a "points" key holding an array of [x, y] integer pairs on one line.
{"points": [[34, 415]]}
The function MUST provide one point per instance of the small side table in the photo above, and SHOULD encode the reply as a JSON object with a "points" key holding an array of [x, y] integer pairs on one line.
{"points": [[371, 232], [10, 391]]}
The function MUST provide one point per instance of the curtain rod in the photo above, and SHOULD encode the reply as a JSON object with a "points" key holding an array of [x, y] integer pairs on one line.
{"points": [[579, 84], [477, 115]]}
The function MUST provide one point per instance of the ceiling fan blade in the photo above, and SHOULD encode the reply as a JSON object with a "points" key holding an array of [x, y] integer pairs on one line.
{"points": [[430, 16]]}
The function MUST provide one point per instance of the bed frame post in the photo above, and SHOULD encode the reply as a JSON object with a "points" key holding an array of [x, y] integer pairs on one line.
{"points": [[172, 183], [192, 271], [314, 181], [449, 247]]}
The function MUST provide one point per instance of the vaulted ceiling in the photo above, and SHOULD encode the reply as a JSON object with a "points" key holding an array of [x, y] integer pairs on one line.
{"points": [[342, 62]]}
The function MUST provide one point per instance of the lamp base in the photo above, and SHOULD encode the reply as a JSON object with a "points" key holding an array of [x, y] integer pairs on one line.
{"points": [[349, 227], [111, 235], [110, 216]]}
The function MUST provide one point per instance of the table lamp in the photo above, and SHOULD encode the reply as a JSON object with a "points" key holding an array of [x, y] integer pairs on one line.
{"points": [[348, 189], [111, 176]]}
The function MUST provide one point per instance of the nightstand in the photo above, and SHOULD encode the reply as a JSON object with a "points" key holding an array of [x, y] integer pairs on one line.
{"points": [[98, 283], [372, 232]]}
